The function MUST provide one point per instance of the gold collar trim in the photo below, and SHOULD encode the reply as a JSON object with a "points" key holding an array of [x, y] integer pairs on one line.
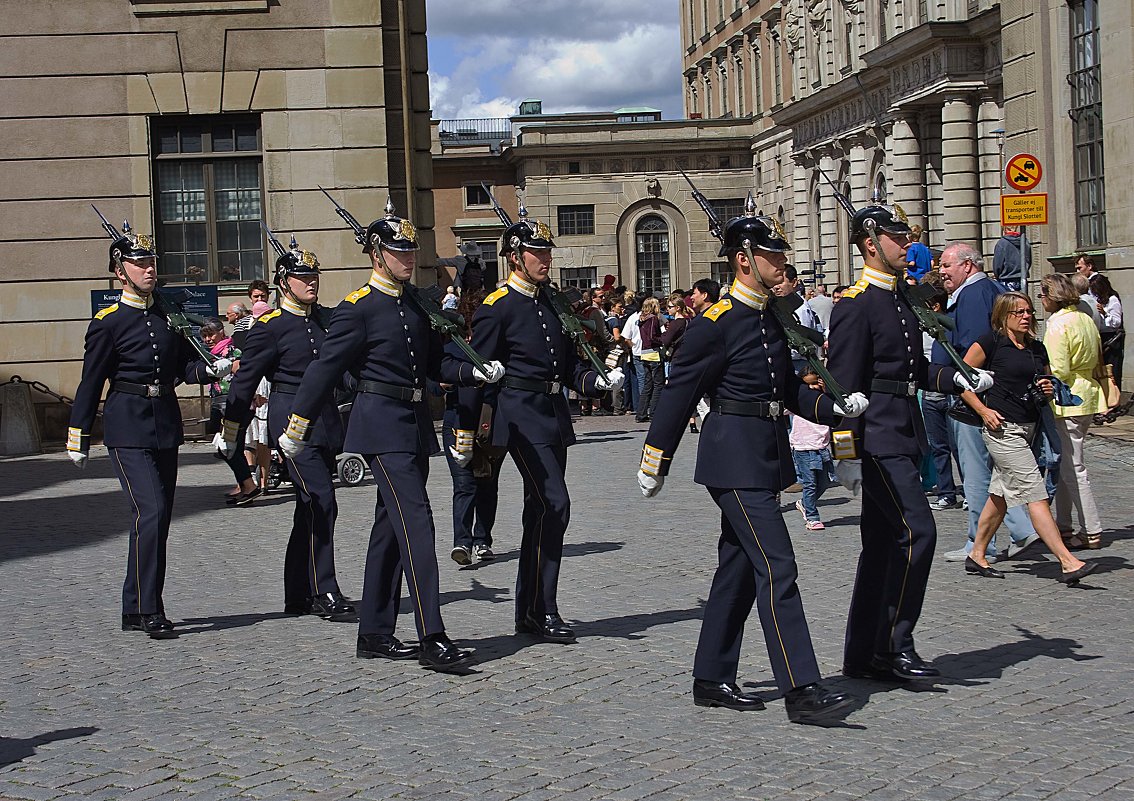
{"points": [[750, 297], [385, 285], [136, 301], [294, 307], [880, 279], [522, 285]]}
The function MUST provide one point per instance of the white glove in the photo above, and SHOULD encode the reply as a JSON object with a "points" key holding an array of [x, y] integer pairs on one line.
{"points": [[853, 406], [983, 381], [702, 409], [290, 447], [223, 446], [650, 485], [462, 449], [849, 473], [79, 458], [493, 372], [614, 380], [460, 458], [220, 368]]}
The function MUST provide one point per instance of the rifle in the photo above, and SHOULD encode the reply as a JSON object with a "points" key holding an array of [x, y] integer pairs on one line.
{"points": [[561, 303], [179, 320], [803, 340], [933, 323], [418, 298]]}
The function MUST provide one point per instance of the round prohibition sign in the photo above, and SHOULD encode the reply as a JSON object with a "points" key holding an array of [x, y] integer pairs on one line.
{"points": [[1023, 172]]}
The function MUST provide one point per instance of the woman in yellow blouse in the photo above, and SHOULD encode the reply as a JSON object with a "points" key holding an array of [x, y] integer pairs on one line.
{"points": [[1075, 350]]}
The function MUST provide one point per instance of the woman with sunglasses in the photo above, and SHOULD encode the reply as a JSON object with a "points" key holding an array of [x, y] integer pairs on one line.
{"points": [[1010, 411]]}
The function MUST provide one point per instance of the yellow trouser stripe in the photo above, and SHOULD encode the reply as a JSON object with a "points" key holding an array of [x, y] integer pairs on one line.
{"points": [[409, 552], [137, 533]]}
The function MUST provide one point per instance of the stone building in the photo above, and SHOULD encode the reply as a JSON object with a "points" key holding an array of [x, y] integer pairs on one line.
{"points": [[609, 185], [195, 118], [922, 100]]}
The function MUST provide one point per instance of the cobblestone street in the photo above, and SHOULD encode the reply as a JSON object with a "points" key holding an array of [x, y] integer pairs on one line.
{"points": [[249, 703]]}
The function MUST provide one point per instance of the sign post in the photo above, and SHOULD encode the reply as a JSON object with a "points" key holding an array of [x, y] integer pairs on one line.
{"points": [[1023, 173]]}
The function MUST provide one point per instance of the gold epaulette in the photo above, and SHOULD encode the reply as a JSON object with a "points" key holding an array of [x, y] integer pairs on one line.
{"points": [[495, 296], [113, 307], [856, 290], [717, 309], [263, 318], [358, 294]]}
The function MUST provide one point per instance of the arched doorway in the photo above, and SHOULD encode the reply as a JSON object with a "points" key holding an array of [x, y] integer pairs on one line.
{"points": [[651, 249]]}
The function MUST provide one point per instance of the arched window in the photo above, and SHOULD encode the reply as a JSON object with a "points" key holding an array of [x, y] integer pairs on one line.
{"points": [[880, 187], [651, 244]]}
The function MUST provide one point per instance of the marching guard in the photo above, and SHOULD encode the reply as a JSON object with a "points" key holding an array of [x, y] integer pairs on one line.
{"points": [[518, 325], [876, 348], [737, 356], [382, 335], [134, 345], [281, 345]]}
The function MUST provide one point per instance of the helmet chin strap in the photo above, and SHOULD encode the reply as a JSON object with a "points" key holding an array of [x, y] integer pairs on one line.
{"points": [[872, 231], [519, 251], [385, 267], [752, 266], [126, 277]]}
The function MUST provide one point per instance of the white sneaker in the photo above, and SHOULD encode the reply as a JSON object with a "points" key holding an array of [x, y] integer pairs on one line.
{"points": [[961, 554], [482, 553], [1015, 549]]}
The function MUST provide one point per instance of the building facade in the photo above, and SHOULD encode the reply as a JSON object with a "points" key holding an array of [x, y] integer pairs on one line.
{"points": [[196, 119], [923, 101]]}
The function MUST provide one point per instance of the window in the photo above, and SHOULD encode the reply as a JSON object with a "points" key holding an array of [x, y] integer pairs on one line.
{"points": [[723, 69], [575, 220], [721, 272], [708, 96], [574, 167], [476, 196], [208, 181], [777, 72], [652, 247], [727, 209], [1087, 134], [580, 277], [739, 62]]}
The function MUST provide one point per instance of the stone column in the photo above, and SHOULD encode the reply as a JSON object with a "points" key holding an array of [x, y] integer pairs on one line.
{"points": [[801, 235], [909, 177], [859, 195], [989, 144], [959, 170]]}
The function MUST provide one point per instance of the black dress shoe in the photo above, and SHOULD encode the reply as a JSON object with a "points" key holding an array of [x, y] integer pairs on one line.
{"points": [[814, 705], [334, 607], [867, 672], [156, 626], [975, 569], [300, 607], [384, 646], [547, 627], [439, 653], [907, 666], [1073, 576], [712, 693], [245, 498]]}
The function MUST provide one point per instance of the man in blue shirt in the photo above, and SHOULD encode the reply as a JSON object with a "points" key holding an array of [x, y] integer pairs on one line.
{"points": [[971, 295]]}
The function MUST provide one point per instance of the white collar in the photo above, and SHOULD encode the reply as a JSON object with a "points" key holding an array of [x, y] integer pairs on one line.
{"points": [[750, 297], [522, 285], [294, 307], [972, 279], [879, 278], [385, 285], [136, 301]]}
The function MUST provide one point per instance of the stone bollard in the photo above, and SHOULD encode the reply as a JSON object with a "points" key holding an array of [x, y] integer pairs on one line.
{"points": [[19, 431]]}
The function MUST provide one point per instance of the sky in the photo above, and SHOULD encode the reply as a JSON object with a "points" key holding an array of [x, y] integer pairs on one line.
{"points": [[485, 56]]}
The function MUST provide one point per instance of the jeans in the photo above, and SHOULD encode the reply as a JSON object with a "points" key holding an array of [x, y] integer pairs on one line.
{"points": [[942, 445], [653, 381], [632, 388], [815, 471], [976, 466], [1049, 453]]}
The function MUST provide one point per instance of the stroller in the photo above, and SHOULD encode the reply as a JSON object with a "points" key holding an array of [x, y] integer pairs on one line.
{"points": [[350, 468]]}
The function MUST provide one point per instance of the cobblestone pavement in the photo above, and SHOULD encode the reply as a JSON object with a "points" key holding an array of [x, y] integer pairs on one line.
{"points": [[251, 704]]}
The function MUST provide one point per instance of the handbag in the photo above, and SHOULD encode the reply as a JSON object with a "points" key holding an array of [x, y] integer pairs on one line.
{"points": [[963, 413]]}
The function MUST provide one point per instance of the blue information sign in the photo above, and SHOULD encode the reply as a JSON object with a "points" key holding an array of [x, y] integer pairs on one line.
{"points": [[198, 300]]}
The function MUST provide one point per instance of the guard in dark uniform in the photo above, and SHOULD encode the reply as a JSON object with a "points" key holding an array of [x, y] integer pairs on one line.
{"points": [[518, 325], [132, 344], [737, 356], [381, 335], [876, 348], [281, 345]]}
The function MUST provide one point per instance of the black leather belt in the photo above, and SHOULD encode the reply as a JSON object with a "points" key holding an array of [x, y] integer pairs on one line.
{"points": [[885, 385], [287, 387], [145, 390], [391, 391], [529, 385], [747, 408]]}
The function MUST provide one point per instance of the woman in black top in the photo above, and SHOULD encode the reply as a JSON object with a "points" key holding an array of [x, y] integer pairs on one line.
{"points": [[1010, 411]]}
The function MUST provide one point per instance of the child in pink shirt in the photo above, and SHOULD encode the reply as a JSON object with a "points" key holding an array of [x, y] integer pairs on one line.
{"points": [[811, 452]]}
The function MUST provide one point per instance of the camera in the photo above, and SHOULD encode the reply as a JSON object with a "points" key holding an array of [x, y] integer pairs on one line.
{"points": [[1035, 395]]}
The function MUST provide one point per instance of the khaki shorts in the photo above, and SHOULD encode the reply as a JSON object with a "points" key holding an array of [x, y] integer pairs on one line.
{"points": [[1015, 476]]}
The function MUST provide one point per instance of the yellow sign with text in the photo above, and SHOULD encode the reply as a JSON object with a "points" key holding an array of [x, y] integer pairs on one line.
{"points": [[1023, 209]]}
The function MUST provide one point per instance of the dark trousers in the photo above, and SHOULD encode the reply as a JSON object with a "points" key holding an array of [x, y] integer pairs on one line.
{"points": [[898, 538], [547, 511], [756, 562], [237, 463], [401, 542], [149, 478], [474, 499], [653, 381], [940, 436], [309, 562]]}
